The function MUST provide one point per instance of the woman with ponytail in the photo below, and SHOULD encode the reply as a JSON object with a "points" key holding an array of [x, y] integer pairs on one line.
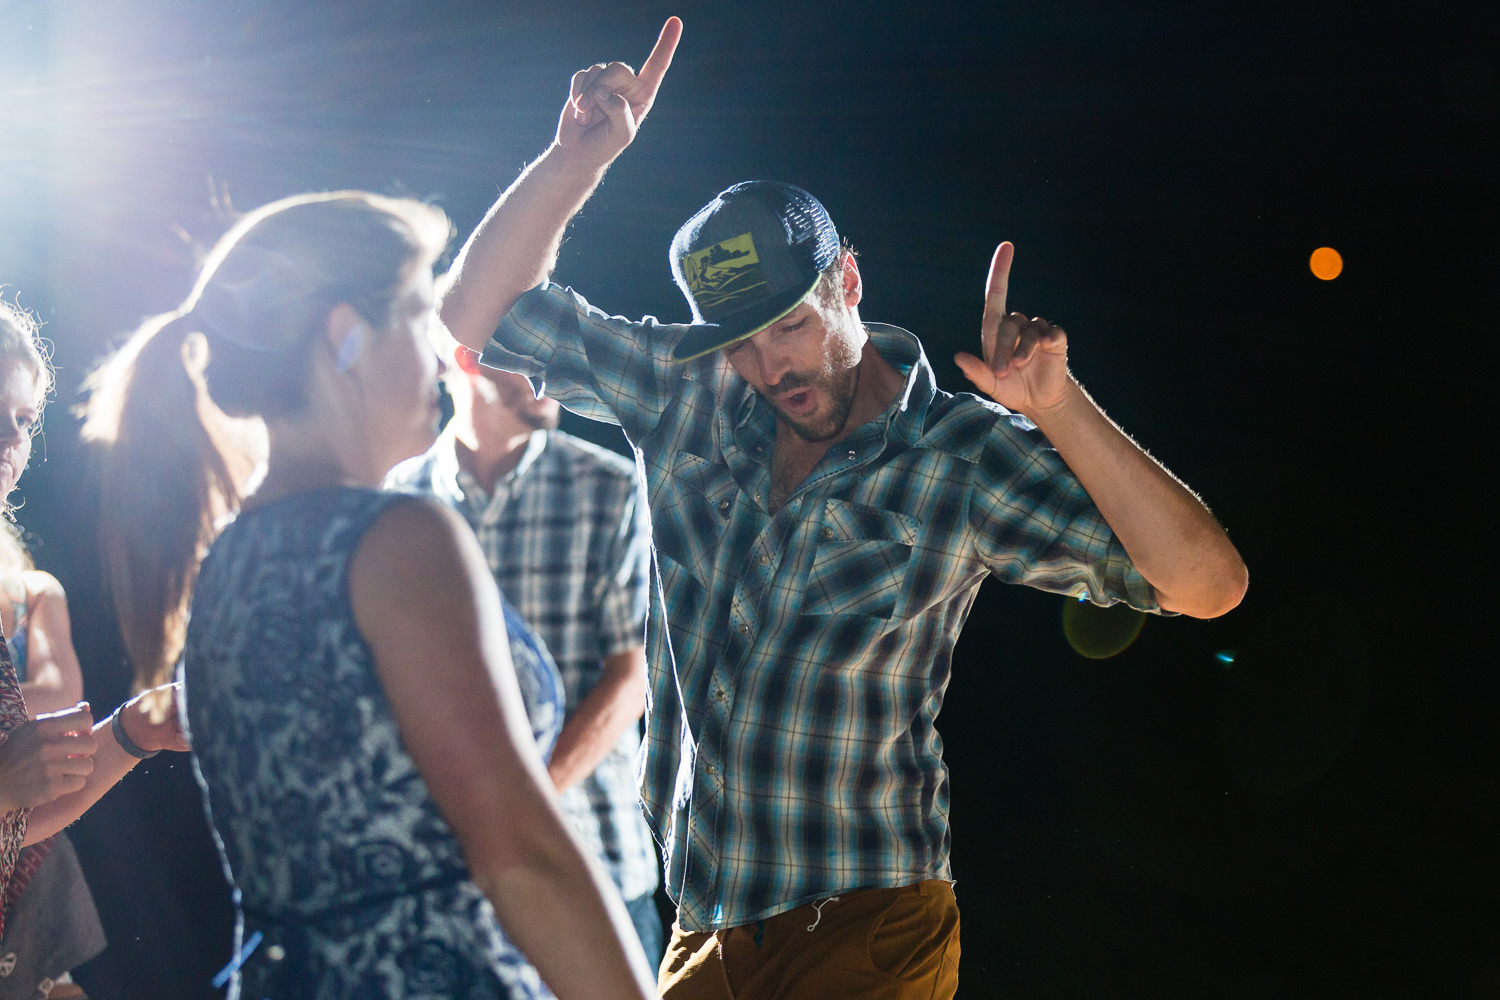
{"points": [[358, 733]]}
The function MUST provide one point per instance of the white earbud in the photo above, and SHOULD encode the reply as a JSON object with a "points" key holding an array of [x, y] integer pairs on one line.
{"points": [[349, 347]]}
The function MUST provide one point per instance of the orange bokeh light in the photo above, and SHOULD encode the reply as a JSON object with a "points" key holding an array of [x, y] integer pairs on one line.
{"points": [[1326, 263]]}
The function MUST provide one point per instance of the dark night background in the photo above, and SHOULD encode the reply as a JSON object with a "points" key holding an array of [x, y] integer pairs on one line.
{"points": [[1316, 817]]}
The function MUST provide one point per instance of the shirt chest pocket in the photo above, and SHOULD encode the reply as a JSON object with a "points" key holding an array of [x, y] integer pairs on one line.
{"points": [[861, 560], [688, 523]]}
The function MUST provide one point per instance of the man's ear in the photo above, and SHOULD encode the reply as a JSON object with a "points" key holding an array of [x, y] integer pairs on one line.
{"points": [[854, 288], [346, 333], [466, 360]]}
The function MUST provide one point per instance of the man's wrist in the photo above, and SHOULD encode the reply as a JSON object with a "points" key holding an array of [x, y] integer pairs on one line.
{"points": [[1072, 398], [575, 167]]}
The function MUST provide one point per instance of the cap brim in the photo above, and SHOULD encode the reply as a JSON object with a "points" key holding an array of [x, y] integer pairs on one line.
{"points": [[705, 338]]}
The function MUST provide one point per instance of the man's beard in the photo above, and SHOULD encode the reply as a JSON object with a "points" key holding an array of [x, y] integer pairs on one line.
{"points": [[838, 391], [545, 420], [524, 408]]}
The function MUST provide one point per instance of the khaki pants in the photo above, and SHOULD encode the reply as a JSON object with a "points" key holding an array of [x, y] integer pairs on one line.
{"points": [[879, 944]]}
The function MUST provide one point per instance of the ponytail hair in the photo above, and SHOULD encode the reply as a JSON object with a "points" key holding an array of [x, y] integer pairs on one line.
{"points": [[179, 410], [166, 481]]}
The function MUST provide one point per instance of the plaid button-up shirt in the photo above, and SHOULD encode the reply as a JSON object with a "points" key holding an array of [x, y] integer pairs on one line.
{"points": [[568, 539], [791, 751]]}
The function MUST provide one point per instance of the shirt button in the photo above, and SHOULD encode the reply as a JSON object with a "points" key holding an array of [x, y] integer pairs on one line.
{"points": [[720, 695], [853, 456], [723, 506], [827, 532], [765, 560], [742, 628], [757, 498], [712, 769]]}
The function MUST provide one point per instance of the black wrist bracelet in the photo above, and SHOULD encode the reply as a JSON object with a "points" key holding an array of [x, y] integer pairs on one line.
{"points": [[123, 738]]}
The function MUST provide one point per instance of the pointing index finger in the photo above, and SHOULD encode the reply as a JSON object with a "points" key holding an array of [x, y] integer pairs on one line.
{"points": [[656, 64], [997, 285]]}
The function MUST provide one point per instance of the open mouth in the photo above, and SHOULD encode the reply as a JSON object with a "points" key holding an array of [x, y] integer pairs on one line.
{"points": [[796, 401]]}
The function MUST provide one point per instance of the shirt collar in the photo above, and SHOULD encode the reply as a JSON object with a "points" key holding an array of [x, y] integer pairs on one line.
{"points": [[534, 448], [450, 482], [908, 414], [445, 468]]}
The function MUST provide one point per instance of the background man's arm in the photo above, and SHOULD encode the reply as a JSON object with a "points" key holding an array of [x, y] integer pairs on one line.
{"points": [[1172, 538], [515, 246], [614, 704], [619, 598]]}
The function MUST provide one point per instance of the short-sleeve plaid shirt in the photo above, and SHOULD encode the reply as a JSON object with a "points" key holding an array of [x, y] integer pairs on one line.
{"points": [[791, 751], [568, 539]]}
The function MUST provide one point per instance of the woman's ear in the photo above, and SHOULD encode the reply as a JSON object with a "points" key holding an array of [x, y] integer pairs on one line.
{"points": [[346, 335]]}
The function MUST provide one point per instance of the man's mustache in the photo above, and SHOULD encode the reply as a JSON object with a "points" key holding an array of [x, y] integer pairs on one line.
{"points": [[791, 382]]}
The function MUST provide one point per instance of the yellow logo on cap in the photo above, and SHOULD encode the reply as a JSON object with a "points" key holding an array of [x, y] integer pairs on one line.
{"points": [[720, 277]]}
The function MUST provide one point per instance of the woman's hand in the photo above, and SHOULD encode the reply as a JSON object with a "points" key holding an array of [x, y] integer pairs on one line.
{"points": [[47, 758], [152, 721]]}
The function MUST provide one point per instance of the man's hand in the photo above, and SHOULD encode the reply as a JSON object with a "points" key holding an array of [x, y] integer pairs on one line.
{"points": [[515, 246], [1025, 363], [1171, 537], [48, 758], [607, 103]]}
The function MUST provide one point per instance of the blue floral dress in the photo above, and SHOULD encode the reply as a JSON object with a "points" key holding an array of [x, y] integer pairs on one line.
{"points": [[343, 868]]}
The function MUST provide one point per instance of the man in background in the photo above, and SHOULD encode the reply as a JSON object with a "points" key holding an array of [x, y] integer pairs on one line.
{"points": [[563, 524]]}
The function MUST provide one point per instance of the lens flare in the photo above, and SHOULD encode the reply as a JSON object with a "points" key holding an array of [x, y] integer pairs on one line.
{"points": [[1099, 633], [1326, 263]]}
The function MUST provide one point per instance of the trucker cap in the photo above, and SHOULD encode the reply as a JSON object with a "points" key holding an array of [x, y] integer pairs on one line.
{"points": [[748, 258]]}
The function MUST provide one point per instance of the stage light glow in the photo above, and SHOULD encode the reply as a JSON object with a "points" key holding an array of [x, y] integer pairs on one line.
{"points": [[22, 118], [1099, 633], [1326, 263]]}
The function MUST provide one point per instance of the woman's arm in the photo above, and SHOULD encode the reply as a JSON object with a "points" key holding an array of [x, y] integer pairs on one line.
{"points": [[427, 605], [151, 723], [54, 680]]}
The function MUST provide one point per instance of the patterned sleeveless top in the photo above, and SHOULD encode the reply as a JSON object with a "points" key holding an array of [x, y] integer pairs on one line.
{"points": [[340, 860]]}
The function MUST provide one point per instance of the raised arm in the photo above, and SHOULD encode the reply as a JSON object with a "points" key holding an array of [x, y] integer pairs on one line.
{"points": [[1172, 538], [515, 246], [427, 605]]}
